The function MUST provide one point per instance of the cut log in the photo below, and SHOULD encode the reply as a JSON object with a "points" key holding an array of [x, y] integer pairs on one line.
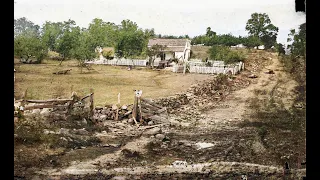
{"points": [[45, 106], [49, 101], [62, 72]]}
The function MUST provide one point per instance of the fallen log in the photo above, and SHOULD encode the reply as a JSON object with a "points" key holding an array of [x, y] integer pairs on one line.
{"points": [[50, 101], [147, 127], [44, 106]]}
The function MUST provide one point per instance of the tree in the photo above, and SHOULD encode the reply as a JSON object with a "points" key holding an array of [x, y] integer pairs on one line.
{"points": [[298, 39], [251, 41], [103, 33], [84, 49], [209, 32], [153, 52], [51, 32], [67, 41], [259, 25], [224, 53], [28, 46], [280, 49], [24, 26], [131, 40]]}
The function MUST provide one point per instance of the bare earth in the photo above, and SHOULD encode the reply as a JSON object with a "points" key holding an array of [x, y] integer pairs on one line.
{"points": [[234, 150]]}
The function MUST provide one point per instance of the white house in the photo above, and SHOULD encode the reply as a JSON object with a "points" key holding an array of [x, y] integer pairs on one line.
{"points": [[175, 48]]}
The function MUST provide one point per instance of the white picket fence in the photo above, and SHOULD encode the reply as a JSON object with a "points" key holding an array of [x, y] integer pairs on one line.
{"points": [[120, 62]]}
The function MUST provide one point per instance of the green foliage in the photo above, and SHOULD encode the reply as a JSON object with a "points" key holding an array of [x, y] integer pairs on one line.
{"points": [[103, 33], [69, 38], [27, 46], [24, 26], [298, 46], [280, 49], [154, 51], [84, 49], [131, 40], [225, 54], [51, 32], [210, 33], [259, 25], [251, 41]]}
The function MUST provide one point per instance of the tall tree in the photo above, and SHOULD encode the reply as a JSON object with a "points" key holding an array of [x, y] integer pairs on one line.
{"points": [[103, 33], [259, 25], [84, 49], [23, 26], [27, 46], [209, 32], [51, 32], [298, 39], [131, 40], [68, 39]]}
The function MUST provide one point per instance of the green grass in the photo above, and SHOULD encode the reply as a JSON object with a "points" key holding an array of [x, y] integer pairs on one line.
{"points": [[106, 81]]}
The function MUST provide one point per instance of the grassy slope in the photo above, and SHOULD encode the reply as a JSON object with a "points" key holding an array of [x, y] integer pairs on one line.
{"points": [[107, 82]]}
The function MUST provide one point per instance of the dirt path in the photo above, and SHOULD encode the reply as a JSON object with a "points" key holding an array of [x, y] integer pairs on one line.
{"points": [[217, 126]]}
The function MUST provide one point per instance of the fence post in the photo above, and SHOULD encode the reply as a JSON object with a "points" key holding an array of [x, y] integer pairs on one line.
{"points": [[70, 107], [91, 103]]}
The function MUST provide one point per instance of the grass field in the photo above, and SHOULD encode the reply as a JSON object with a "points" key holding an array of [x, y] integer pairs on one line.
{"points": [[106, 81]]}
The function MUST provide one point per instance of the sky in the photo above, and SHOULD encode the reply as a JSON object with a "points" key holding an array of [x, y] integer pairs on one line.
{"points": [[167, 17]]}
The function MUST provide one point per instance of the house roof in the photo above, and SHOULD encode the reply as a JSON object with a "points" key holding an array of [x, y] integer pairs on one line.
{"points": [[167, 42], [174, 49]]}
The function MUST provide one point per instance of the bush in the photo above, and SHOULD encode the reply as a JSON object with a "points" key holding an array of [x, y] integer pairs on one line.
{"points": [[225, 54]]}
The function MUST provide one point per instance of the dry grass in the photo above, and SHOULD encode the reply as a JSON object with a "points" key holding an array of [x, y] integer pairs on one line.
{"points": [[107, 82]]}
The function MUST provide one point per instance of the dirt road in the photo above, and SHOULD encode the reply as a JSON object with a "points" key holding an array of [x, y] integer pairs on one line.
{"points": [[212, 144]]}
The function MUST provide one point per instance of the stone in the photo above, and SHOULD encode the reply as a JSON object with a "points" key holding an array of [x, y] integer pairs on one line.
{"points": [[98, 108], [84, 121], [160, 136], [105, 111], [252, 76], [103, 117], [152, 131], [114, 107], [45, 112], [124, 107], [150, 123], [82, 132], [36, 111], [130, 121], [63, 131]]}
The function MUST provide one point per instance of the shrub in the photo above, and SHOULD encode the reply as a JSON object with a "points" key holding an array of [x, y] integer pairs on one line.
{"points": [[225, 54]]}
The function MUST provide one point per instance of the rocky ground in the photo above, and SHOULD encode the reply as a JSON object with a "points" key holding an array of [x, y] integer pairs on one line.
{"points": [[211, 131]]}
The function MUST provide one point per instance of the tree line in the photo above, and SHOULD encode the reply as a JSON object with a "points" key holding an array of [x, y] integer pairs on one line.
{"points": [[71, 41]]}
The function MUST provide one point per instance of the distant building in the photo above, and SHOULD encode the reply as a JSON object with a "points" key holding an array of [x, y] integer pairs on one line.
{"points": [[175, 48]]}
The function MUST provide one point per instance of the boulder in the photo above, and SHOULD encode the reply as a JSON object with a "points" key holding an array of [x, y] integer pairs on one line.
{"points": [[36, 111], [160, 136], [45, 112], [124, 107], [103, 117], [82, 132]]}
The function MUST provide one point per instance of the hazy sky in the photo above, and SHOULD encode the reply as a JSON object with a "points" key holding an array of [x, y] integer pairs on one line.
{"points": [[170, 17]]}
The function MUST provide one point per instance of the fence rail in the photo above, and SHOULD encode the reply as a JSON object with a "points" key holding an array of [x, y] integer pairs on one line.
{"points": [[120, 62]]}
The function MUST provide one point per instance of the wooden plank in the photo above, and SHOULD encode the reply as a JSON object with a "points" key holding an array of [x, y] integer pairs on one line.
{"points": [[49, 101], [44, 106], [86, 96]]}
